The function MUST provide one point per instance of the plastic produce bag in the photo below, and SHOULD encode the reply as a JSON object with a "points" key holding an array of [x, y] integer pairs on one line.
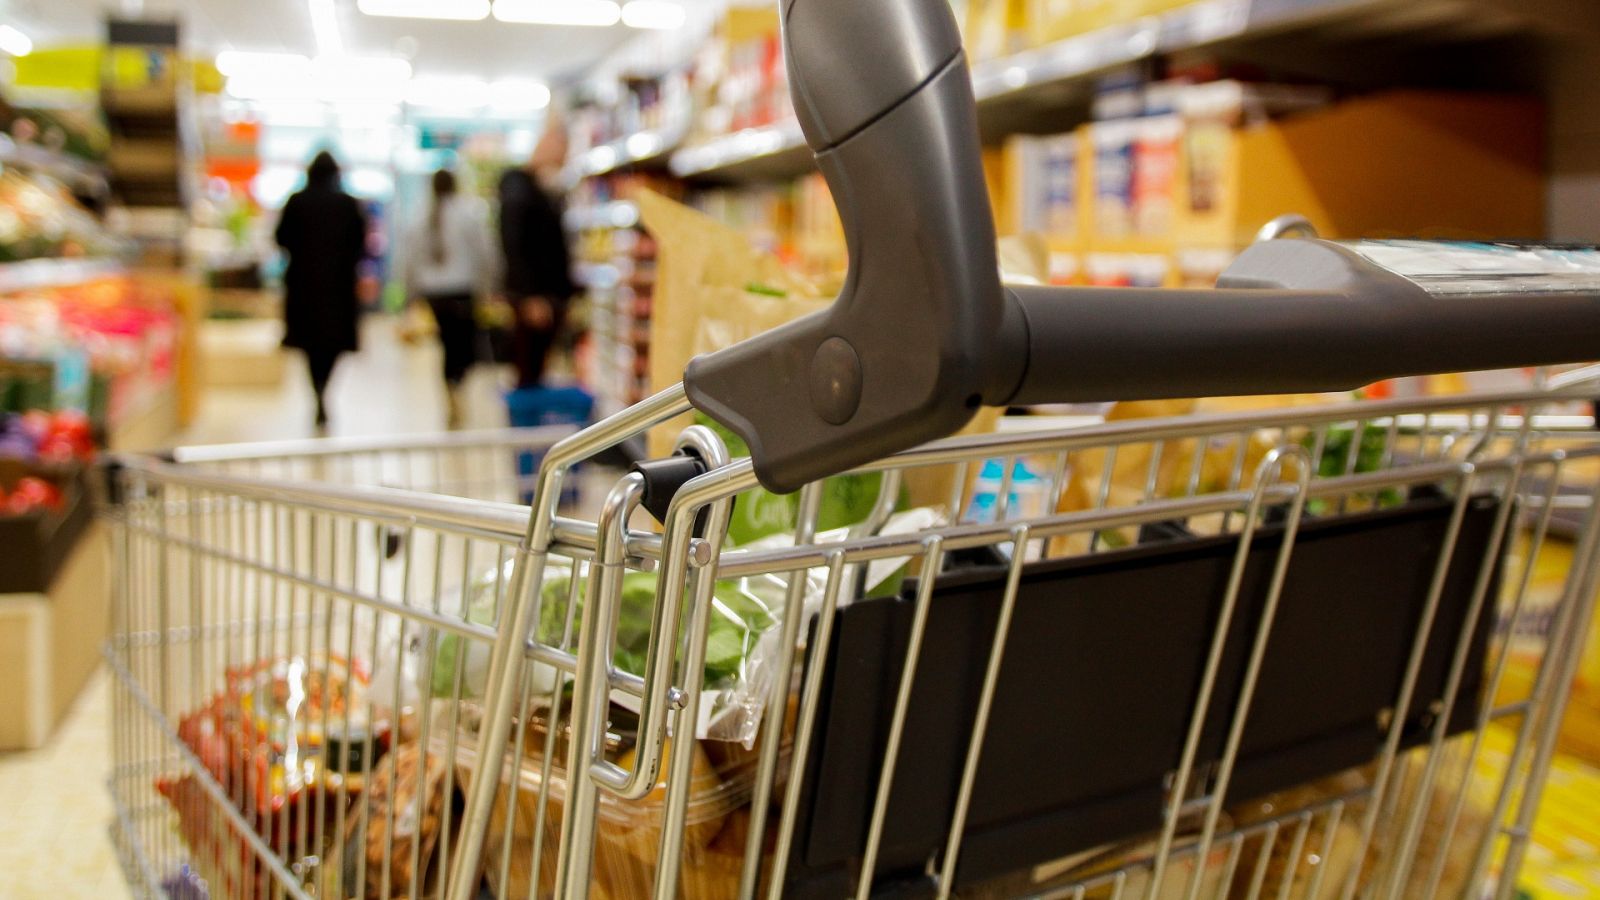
{"points": [[742, 640]]}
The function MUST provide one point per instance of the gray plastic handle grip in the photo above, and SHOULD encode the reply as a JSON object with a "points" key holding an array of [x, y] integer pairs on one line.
{"points": [[1289, 316], [905, 354]]}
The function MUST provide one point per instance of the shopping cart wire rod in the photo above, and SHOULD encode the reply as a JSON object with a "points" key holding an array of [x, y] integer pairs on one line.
{"points": [[683, 513], [590, 692], [933, 561], [1170, 428], [517, 438], [773, 723], [1268, 472], [1529, 706], [980, 722], [738, 563], [506, 661], [480, 517], [805, 725], [1580, 596], [684, 720], [1412, 832], [450, 624], [1382, 797]]}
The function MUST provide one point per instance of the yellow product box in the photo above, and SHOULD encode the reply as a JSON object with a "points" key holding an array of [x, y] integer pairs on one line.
{"points": [[1571, 880], [996, 28], [1402, 163]]}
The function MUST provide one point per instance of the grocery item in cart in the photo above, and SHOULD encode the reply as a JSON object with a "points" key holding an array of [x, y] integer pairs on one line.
{"points": [[628, 833], [387, 847], [279, 741]]}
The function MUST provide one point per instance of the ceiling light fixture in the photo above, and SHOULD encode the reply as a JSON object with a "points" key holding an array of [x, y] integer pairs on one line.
{"points": [[517, 94], [369, 69], [339, 79], [447, 93], [453, 10], [591, 13], [325, 25], [14, 42], [246, 62], [657, 15]]}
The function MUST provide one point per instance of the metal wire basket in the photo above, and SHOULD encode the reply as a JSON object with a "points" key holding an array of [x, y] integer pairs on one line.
{"points": [[338, 597]]}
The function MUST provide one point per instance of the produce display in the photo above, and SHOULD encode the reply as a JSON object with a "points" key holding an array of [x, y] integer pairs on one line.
{"points": [[104, 347], [60, 437], [40, 219]]}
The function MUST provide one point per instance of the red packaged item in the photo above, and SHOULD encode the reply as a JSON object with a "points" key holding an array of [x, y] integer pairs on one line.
{"points": [[287, 742]]}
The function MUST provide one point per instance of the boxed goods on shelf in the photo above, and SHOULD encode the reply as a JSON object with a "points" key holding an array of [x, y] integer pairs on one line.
{"points": [[1197, 184], [1396, 163]]}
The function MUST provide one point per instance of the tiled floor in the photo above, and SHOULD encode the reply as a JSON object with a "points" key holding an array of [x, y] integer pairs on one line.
{"points": [[53, 804]]}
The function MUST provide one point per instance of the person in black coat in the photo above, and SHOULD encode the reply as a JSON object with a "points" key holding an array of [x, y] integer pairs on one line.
{"points": [[538, 263], [325, 234]]}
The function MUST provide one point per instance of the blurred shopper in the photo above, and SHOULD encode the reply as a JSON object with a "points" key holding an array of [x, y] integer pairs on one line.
{"points": [[324, 232], [538, 264], [449, 259]]}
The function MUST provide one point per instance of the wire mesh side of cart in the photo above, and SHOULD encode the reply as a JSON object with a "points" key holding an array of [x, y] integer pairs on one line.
{"points": [[331, 569], [221, 574]]}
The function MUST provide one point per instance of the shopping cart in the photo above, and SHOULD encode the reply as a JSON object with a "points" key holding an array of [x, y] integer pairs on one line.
{"points": [[1309, 652]]}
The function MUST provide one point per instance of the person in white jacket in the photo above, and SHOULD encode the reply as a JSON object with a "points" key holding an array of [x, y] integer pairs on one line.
{"points": [[450, 258]]}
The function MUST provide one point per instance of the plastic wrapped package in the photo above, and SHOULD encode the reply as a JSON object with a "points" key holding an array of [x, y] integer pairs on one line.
{"points": [[742, 643], [390, 835], [263, 740], [627, 833]]}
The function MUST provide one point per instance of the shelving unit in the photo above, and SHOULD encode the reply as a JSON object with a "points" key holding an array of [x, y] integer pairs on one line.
{"points": [[1048, 87], [42, 274], [80, 175]]}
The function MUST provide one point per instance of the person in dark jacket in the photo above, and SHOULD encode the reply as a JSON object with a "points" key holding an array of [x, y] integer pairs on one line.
{"points": [[325, 234], [538, 264]]}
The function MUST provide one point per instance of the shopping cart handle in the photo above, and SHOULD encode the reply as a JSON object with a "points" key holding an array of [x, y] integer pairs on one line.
{"points": [[1289, 316], [905, 354], [923, 333]]}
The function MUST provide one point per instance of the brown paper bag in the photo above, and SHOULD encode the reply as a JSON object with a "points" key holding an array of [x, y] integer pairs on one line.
{"points": [[713, 289]]}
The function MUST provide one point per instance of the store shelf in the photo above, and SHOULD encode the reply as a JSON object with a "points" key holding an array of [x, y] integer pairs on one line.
{"points": [[41, 274], [649, 149], [75, 173], [1012, 91], [776, 151], [616, 214]]}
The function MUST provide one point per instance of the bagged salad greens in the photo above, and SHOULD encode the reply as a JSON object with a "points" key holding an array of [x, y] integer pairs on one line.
{"points": [[742, 641]]}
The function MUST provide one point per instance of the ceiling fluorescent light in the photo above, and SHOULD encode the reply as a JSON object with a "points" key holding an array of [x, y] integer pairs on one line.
{"points": [[518, 94], [658, 15], [448, 93], [243, 62], [365, 69], [456, 10], [593, 13], [15, 42], [325, 25]]}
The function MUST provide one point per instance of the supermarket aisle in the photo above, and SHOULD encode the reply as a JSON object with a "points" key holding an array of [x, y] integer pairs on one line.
{"points": [[53, 840], [390, 387]]}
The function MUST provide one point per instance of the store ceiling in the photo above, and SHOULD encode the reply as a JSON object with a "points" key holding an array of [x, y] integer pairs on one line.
{"points": [[484, 49]]}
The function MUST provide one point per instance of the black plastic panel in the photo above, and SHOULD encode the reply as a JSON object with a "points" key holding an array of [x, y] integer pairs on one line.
{"points": [[1101, 674]]}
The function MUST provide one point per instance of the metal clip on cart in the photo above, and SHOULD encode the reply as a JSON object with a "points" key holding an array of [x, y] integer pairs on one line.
{"points": [[1266, 654]]}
